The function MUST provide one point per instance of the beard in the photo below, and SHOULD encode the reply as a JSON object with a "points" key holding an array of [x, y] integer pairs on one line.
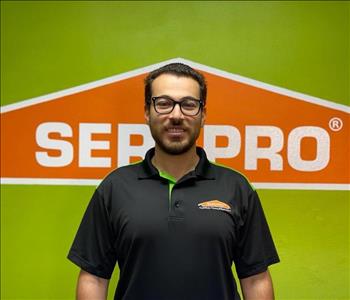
{"points": [[175, 146]]}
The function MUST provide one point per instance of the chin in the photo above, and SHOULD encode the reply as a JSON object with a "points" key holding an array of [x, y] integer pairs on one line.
{"points": [[176, 148]]}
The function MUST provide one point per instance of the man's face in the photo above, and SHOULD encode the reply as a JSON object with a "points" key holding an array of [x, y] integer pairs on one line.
{"points": [[175, 133]]}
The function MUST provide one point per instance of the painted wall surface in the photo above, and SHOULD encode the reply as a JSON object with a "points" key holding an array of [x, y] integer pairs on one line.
{"points": [[49, 46]]}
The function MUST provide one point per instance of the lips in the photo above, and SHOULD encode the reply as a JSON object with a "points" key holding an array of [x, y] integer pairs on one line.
{"points": [[175, 131]]}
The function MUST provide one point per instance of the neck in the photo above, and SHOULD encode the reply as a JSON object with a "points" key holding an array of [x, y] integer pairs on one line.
{"points": [[175, 165]]}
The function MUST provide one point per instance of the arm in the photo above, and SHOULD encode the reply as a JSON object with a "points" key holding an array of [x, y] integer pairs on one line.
{"points": [[257, 287], [91, 287]]}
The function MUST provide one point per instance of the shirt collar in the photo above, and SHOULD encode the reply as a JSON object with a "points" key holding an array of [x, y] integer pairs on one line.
{"points": [[203, 169]]}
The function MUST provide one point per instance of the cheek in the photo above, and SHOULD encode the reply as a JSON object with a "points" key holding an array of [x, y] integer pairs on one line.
{"points": [[199, 122], [155, 121]]}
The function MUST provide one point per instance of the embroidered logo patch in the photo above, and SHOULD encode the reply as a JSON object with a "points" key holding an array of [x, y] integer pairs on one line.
{"points": [[215, 204]]}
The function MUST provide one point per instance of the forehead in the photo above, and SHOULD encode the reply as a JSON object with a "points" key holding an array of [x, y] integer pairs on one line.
{"points": [[175, 86]]}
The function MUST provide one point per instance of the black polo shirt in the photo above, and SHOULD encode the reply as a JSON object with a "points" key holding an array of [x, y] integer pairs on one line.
{"points": [[174, 241]]}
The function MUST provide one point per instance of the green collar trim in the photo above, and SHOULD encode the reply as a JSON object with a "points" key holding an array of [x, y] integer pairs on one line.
{"points": [[167, 176], [171, 181]]}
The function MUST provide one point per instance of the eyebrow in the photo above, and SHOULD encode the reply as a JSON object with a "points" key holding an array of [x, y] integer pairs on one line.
{"points": [[179, 100]]}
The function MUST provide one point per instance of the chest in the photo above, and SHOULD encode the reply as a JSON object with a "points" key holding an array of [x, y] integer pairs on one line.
{"points": [[193, 212]]}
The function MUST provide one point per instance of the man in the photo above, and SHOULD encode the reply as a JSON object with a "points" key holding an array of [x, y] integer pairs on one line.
{"points": [[174, 222]]}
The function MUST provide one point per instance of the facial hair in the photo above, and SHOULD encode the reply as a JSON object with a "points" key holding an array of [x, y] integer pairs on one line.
{"points": [[175, 147]]}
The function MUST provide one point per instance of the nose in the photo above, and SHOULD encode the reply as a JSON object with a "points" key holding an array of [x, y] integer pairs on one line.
{"points": [[176, 113]]}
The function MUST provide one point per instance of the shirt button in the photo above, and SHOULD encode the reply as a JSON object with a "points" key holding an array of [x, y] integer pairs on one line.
{"points": [[177, 204]]}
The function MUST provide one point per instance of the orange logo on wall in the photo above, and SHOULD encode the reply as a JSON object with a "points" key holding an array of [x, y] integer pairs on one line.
{"points": [[276, 137]]}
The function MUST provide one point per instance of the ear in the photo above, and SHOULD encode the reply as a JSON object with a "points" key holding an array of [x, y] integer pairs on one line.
{"points": [[203, 116], [147, 112]]}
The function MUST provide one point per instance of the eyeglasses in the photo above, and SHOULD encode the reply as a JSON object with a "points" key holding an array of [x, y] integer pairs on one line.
{"points": [[188, 106]]}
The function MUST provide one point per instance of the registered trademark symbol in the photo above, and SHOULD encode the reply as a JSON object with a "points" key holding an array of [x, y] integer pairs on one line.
{"points": [[335, 124]]}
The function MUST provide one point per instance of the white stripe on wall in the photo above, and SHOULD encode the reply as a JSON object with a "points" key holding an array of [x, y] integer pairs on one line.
{"points": [[95, 182]]}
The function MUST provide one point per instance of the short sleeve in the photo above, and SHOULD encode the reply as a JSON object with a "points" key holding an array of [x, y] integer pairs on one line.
{"points": [[92, 249], [256, 249]]}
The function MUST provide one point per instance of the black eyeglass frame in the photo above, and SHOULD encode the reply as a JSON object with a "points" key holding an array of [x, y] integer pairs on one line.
{"points": [[201, 104]]}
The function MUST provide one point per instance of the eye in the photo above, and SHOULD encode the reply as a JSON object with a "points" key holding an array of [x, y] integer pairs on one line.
{"points": [[163, 103], [190, 104]]}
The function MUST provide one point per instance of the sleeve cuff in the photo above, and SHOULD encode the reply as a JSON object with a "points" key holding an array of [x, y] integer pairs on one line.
{"points": [[86, 266], [256, 269]]}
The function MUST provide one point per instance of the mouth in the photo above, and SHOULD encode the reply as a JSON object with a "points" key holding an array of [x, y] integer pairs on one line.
{"points": [[175, 131]]}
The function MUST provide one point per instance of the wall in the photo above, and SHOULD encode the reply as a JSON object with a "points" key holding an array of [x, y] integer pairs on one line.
{"points": [[48, 46]]}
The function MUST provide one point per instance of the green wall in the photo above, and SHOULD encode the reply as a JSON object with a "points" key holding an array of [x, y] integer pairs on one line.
{"points": [[53, 45]]}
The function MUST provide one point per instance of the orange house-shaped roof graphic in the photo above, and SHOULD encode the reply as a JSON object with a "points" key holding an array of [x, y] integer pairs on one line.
{"points": [[276, 137]]}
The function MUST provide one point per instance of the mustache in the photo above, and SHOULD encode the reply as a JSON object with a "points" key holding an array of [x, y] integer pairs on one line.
{"points": [[175, 125], [175, 122]]}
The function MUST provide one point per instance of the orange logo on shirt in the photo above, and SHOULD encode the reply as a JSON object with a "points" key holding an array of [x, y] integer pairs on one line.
{"points": [[214, 204]]}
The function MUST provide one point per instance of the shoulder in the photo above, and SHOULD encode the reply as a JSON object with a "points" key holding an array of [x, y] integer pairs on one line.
{"points": [[122, 175], [232, 176], [239, 185]]}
